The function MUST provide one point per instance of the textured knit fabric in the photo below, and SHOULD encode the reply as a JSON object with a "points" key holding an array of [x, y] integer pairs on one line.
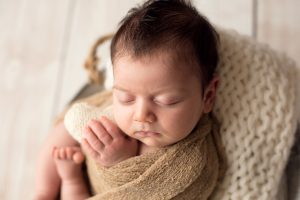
{"points": [[255, 105], [293, 171], [189, 169], [85, 110]]}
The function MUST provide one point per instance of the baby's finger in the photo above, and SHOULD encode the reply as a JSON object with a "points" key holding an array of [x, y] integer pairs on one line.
{"points": [[88, 149], [92, 139], [100, 132], [110, 127]]}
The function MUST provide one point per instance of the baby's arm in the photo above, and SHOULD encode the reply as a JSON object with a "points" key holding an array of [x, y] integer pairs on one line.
{"points": [[106, 143]]}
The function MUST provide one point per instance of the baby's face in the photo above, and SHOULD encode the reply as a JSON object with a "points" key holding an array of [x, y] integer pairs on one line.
{"points": [[154, 102]]}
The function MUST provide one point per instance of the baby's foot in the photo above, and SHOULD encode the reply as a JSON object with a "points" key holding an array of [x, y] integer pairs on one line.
{"points": [[68, 161]]}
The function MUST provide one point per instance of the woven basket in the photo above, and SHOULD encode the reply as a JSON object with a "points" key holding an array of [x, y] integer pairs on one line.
{"points": [[92, 62]]}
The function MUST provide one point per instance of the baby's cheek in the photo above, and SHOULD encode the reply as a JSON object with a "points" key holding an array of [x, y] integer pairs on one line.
{"points": [[118, 117], [183, 122], [122, 119]]}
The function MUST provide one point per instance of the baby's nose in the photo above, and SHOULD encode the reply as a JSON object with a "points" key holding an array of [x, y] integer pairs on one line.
{"points": [[143, 113]]}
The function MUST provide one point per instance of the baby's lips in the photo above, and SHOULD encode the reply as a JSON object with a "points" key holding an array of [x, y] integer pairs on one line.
{"points": [[146, 133]]}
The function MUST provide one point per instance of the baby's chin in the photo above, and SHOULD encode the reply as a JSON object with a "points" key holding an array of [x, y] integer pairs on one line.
{"points": [[150, 142]]}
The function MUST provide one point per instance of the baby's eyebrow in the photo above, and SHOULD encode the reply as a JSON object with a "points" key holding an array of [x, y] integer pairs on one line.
{"points": [[120, 88], [173, 90], [177, 90]]}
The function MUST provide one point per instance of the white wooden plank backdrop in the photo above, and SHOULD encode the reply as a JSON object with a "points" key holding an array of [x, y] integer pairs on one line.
{"points": [[43, 45], [32, 35]]}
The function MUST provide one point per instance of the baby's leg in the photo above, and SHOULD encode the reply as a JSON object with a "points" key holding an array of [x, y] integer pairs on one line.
{"points": [[47, 179], [69, 161]]}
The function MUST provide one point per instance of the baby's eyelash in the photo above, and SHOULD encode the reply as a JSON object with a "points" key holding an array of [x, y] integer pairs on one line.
{"points": [[126, 103], [171, 103], [126, 100]]}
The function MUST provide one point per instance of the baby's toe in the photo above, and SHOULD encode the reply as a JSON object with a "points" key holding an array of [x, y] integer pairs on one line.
{"points": [[55, 152], [62, 153], [69, 153], [78, 157]]}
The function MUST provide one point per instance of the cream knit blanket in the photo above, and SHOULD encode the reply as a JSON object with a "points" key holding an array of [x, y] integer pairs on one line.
{"points": [[256, 108]]}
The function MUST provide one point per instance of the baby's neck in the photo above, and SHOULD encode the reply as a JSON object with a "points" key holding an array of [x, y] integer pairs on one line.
{"points": [[145, 149]]}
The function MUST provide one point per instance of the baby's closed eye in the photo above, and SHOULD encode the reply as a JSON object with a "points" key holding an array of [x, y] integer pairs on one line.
{"points": [[167, 101], [125, 98]]}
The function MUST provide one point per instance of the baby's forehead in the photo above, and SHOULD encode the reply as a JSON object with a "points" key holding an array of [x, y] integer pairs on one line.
{"points": [[170, 58], [160, 67]]}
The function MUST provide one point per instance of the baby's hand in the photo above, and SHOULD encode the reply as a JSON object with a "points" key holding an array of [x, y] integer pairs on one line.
{"points": [[106, 143]]}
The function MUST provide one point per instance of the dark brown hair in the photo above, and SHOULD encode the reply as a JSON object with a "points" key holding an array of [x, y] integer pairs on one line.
{"points": [[173, 26]]}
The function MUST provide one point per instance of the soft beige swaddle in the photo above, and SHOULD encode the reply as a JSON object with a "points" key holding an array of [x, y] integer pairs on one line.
{"points": [[188, 169]]}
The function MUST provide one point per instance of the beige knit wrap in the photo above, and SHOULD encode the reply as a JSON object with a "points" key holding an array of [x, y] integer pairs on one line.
{"points": [[189, 169]]}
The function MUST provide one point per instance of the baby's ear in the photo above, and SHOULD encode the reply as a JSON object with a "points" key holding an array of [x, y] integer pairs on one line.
{"points": [[210, 94]]}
